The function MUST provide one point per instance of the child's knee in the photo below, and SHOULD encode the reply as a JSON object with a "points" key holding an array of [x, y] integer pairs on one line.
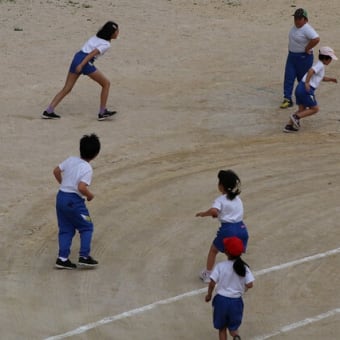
{"points": [[106, 84]]}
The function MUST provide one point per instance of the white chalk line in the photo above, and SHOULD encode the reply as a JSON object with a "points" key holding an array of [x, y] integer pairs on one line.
{"points": [[299, 324], [85, 328]]}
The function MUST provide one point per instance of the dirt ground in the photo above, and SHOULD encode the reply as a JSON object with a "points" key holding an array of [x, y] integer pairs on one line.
{"points": [[197, 85]]}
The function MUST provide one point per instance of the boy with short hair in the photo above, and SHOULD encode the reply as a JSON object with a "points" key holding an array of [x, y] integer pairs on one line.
{"points": [[74, 176]]}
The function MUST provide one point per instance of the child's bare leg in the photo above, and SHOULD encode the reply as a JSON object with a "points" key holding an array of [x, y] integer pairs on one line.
{"points": [[234, 333], [99, 77], [300, 109], [222, 334], [303, 112], [69, 83], [308, 112], [213, 251]]}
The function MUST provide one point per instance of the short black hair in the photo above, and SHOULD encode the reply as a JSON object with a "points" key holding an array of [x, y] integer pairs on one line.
{"points": [[89, 146], [107, 30]]}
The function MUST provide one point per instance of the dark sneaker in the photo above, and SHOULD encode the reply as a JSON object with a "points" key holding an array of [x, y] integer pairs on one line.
{"points": [[65, 264], [286, 103], [106, 114], [236, 337], [290, 128], [51, 115], [87, 261], [296, 121]]}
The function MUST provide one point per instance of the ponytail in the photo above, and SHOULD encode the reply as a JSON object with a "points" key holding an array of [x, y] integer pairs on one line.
{"points": [[240, 267]]}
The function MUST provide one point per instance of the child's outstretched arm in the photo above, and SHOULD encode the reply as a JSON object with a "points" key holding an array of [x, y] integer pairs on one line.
{"points": [[334, 80], [213, 212], [57, 174]]}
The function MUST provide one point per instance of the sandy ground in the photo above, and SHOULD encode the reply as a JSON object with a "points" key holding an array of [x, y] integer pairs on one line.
{"points": [[197, 85]]}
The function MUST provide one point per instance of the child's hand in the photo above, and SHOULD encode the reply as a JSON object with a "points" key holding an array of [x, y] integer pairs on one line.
{"points": [[90, 197], [335, 80], [200, 214], [79, 68], [207, 297]]}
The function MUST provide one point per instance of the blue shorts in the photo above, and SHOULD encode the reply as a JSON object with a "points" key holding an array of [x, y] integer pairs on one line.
{"points": [[307, 99], [227, 312], [237, 229], [77, 59]]}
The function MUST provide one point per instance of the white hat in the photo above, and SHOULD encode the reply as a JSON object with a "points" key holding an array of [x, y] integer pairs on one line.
{"points": [[328, 51]]}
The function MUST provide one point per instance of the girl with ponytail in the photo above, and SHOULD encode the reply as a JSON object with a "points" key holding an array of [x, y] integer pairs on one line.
{"points": [[232, 279], [228, 209]]}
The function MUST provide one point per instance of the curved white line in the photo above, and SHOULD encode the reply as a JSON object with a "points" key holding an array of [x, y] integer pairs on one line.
{"points": [[109, 319], [299, 324]]}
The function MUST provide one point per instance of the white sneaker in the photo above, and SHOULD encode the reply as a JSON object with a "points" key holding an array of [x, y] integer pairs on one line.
{"points": [[296, 121], [205, 275]]}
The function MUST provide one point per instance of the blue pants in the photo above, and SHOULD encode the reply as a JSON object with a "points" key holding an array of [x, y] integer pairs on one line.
{"points": [[297, 65], [228, 312], [237, 229], [73, 215]]}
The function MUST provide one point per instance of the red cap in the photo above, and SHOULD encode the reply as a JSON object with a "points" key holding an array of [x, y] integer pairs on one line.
{"points": [[233, 246]]}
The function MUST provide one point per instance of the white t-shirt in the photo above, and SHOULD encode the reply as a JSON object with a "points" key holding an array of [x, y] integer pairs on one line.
{"points": [[75, 170], [230, 284], [315, 80], [229, 211], [94, 42], [299, 38]]}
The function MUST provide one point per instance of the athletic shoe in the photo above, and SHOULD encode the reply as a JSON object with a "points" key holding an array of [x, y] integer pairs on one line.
{"points": [[205, 276], [47, 115], [87, 261], [106, 114], [296, 121], [236, 337], [290, 128], [65, 264], [286, 103]]}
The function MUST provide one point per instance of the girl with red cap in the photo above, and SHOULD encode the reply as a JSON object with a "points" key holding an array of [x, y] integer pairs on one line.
{"points": [[232, 279]]}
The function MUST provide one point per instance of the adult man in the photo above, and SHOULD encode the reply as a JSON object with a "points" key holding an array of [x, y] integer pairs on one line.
{"points": [[302, 39]]}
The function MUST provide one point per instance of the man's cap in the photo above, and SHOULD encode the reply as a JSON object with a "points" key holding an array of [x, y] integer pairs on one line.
{"points": [[328, 51], [233, 246], [300, 13]]}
